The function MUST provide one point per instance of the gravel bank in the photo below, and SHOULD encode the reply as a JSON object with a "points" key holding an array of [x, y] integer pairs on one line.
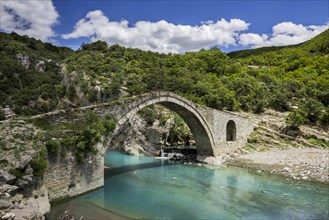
{"points": [[309, 164]]}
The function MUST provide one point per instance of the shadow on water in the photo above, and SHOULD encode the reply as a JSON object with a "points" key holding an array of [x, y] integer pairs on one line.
{"points": [[109, 172]]}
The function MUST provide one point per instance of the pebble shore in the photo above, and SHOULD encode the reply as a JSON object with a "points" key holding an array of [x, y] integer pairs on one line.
{"points": [[309, 164]]}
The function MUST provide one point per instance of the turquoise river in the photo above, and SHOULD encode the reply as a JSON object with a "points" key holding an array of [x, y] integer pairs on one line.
{"points": [[141, 187]]}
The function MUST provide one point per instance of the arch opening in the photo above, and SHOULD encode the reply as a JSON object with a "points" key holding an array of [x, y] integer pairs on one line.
{"points": [[230, 131], [194, 120]]}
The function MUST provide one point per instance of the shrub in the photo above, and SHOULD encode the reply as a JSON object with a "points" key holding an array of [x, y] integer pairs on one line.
{"points": [[148, 114], [92, 95], [93, 127], [71, 93], [40, 162], [313, 109], [52, 147], [296, 119], [324, 120], [17, 173], [279, 101], [39, 165]]}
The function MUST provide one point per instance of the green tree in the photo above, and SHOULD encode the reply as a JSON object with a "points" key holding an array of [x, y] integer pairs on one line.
{"points": [[296, 118], [313, 109]]}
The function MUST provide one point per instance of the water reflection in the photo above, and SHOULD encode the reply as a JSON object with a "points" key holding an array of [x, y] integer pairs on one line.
{"points": [[109, 172]]}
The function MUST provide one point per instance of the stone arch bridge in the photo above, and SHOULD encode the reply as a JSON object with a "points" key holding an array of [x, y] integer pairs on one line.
{"points": [[215, 133]]}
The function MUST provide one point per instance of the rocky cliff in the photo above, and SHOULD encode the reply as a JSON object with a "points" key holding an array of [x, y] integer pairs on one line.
{"points": [[21, 161], [42, 161]]}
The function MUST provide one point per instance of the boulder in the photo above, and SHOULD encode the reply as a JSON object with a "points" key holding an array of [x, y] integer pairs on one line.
{"points": [[28, 178], [28, 170], [8, 215], [9, 113], [35, 208], [6, 178], [40, 66], [12, 190], [4, 204], [24, 60], [22, 183], [25, 161]]}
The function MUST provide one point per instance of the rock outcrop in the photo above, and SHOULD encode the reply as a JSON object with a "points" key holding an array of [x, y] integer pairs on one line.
{"points": [[40, 66], [20, 195], [24, 60], [8, 112]]}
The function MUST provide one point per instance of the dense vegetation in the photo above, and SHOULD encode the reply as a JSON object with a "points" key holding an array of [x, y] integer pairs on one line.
{"points": [[22, 87], [283, 78], [85, 131]]}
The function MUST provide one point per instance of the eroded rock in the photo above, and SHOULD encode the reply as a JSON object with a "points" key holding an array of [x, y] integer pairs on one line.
{"points": [[4, 204], [8, 216], [25, 160], [24, 60], [40, 66], [6, 178]]}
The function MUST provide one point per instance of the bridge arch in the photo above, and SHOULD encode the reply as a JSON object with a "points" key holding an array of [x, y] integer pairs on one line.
{"points": [[230, 131], [187, 110]]}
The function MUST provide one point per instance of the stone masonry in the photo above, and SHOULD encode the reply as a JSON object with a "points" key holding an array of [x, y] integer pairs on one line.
{"points": [[215, 133], [65, 179], [209, 126]]}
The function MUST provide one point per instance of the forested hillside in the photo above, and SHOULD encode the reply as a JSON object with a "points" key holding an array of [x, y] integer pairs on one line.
{"points": [[285, 79], [30, 79]]}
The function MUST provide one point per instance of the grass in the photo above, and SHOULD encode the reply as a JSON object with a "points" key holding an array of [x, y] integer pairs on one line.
{"points": [[319, 142]]}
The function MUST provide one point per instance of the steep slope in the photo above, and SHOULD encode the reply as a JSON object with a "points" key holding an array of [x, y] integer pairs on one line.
{"points": [[30, 78]]}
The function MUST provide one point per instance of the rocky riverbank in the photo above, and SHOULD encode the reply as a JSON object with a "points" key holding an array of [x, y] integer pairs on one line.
{"points": [[309, 164]]}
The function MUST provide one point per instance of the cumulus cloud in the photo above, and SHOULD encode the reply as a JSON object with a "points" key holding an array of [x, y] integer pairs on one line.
{"points": [[160, 36], [28, 17], [285, 33]]}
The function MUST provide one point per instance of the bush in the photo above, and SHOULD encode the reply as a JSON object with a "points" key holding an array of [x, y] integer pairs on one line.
{"points": [[313, 108], [148, 114], [92, 95], [92, 128], [39, 165], [296, 119], [71, 94], [52, 147], [17, 173], [279, 101]]}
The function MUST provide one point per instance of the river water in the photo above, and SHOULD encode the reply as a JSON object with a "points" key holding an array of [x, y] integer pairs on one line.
{"points": [[143, 187]]}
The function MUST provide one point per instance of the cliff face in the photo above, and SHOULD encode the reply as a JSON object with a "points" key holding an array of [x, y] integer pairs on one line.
{"points": [[21, 160], [32, 176]]}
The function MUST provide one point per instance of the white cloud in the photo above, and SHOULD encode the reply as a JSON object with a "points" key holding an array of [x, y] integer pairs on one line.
{"points": [[285, 33], [252, 39], [28, 17], [160, 36]]}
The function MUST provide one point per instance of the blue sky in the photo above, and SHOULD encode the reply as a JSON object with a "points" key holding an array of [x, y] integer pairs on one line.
{"points": [[168, 25]]}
